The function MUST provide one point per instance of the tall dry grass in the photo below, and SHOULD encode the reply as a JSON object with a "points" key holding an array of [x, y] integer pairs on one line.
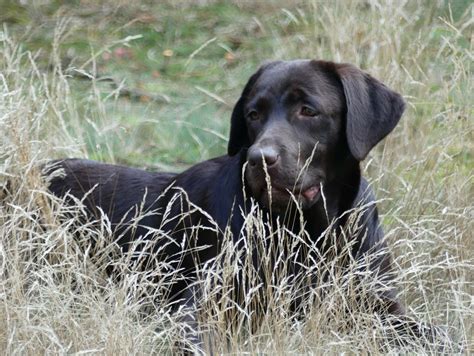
{"points": [[56, 296]]}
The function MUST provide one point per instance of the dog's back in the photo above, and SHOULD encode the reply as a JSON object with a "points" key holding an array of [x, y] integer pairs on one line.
{"points": [[121, 193]]}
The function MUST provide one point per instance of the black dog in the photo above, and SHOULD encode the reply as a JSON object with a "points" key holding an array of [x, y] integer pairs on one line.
{"points": [[300, 129]]}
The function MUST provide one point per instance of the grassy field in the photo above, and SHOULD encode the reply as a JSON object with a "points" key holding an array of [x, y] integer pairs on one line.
{"points": [[152, 84]]}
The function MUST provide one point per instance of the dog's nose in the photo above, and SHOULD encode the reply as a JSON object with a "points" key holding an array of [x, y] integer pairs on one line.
{"points": [[256, 155]]}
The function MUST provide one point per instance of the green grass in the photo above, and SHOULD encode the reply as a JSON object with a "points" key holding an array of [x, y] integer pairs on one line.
{"points": [[251, 34], [423, 172]]}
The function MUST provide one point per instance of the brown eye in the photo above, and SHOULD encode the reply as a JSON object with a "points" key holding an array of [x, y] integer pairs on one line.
{"points": [[253, 115], [308, 111]]}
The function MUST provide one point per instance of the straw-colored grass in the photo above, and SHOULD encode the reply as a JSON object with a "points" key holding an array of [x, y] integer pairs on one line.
{"points": [[55, 294]]}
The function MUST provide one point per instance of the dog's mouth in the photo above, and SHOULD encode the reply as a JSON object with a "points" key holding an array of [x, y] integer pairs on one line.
{"points": [[311, 193], [279, 191], [280, 196]]}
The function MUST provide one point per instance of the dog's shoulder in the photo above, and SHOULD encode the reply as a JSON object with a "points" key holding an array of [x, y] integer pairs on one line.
{"points": [[210, 177], [215, 186]]}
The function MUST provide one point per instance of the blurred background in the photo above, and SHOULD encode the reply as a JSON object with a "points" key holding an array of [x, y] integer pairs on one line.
{"points": [[171, 70]]}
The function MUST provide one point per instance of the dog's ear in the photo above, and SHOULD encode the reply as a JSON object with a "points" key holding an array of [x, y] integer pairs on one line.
{"points": [[373, 110], [238, 137]]}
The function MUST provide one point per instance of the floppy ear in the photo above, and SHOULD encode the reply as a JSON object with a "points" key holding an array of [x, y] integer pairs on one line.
{"points": [[238, 137], [373, 110]]}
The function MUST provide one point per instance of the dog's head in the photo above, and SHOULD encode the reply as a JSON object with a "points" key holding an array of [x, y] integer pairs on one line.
{"points": [[298, 120]]}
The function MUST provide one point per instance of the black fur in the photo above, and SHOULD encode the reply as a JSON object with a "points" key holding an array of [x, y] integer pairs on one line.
{"points": [[353, 113]]}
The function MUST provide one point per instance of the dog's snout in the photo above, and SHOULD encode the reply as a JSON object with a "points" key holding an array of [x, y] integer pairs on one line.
{"points": [[256, 156]]}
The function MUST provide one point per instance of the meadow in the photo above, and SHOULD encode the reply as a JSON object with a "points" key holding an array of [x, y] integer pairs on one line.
{"points": [[152, 85]]}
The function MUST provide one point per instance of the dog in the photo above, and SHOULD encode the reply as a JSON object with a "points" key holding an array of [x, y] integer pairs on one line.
{"points": [[297, 136]]}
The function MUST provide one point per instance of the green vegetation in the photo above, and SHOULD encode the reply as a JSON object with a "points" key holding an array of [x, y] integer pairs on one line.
{"points": [[185, 64]]}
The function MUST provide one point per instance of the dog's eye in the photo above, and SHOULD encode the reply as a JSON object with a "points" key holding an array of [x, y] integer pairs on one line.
{"points": [[253, 115], [308, 111]]}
